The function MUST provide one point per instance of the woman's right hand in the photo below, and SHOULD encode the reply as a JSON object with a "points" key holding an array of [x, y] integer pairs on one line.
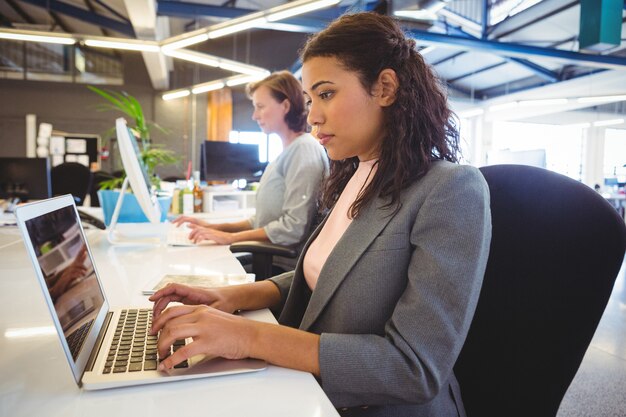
{"points": [[222, 298], [180, 220]]}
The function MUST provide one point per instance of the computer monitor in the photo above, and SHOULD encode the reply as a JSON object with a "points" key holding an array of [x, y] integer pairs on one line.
{"points": [[136, 173], [230, 161], [25, 178]]}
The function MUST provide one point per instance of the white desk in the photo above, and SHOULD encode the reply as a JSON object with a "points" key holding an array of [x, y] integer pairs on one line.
{"points": [[35, 378]]}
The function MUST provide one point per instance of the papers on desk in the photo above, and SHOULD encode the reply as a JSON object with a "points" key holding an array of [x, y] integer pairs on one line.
{"points": [[206, 281]]}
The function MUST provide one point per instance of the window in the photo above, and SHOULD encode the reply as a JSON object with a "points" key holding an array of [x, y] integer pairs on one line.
{"points": [[563, 145], [269, 146], [614, 153]]}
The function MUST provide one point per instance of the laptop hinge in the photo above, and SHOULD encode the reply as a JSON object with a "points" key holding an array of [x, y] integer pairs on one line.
{"points": [[94, 352]]}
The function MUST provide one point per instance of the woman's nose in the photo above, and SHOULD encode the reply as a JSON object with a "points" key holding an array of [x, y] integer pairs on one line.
{"points": [[313, 118]]}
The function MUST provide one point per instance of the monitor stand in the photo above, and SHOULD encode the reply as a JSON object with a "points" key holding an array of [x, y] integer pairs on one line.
{"points": [[137, 234]]}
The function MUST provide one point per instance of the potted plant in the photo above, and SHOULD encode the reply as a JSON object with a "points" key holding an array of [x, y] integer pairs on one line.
{"points": [[151, 154]]}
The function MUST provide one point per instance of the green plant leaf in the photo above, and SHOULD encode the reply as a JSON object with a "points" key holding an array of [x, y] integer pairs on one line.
{"points": [[111, 96], [151, 155]]}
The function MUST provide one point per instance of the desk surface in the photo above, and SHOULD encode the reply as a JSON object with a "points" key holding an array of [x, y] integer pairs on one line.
{"points": [[35, 376]]}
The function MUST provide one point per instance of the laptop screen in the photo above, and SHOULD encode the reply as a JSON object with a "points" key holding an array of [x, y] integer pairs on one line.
{"points": [[67, 268]]}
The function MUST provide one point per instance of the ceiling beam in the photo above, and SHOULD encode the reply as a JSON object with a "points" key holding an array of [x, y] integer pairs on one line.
{"points": [[5, 22], [530, 16], [142, 15], [16, 7], [112, 11], [93, 10], [84, 15], [519, 51], [531, 66], [59, 22], [189, 9], [311, 22]]}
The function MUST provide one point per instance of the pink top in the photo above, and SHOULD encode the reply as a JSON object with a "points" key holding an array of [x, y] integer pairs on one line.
{"points": [[337, 223]]}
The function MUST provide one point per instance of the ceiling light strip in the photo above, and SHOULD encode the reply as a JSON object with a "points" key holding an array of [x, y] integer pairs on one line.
{"points": [[113, 43], [34, 36], [213, 85], [245, 22]]}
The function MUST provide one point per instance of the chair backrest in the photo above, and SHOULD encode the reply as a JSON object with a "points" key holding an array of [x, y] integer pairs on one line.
{"points": [[98, 178], [71, 178], [556, 249]]}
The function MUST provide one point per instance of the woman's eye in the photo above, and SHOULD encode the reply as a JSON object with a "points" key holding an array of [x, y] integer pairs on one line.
{"points": [[324, 95]]}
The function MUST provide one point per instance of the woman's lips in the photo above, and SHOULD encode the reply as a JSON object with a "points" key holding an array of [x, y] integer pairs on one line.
{"points": [[324, 138]]}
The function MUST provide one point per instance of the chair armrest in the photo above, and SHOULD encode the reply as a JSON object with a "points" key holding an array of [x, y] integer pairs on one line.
{"points": [[262, 255], [264, 248]]}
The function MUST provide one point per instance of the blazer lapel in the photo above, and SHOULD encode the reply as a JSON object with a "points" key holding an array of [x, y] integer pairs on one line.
{"points": [[350, 247]]}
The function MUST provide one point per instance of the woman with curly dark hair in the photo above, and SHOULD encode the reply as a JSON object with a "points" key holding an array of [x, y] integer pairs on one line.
{"points": [[381, 301]]}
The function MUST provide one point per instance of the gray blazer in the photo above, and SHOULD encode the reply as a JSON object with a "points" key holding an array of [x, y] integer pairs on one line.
{"points": [[395, 298]]}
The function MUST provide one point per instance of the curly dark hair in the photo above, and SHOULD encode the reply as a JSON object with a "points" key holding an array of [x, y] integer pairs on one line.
{"points": [[419, 126], [283, 85]]}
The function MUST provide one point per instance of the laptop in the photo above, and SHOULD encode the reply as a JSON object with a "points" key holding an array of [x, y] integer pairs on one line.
{"points": [[104, 348]]}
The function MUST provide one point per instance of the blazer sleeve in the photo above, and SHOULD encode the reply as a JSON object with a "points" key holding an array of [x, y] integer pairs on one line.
{"points": [[283, 282], [413, 360]]}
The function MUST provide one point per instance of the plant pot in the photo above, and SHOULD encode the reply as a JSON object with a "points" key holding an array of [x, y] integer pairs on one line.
{"points": [[131, 211]]}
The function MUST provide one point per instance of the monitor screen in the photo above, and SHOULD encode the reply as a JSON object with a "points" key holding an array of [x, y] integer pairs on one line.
{"points": [[230, 161], [25, 178], [136, 172]]}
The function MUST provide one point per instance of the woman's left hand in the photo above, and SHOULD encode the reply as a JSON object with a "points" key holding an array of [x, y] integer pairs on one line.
{"points": [[199, 233], [214, 333]]}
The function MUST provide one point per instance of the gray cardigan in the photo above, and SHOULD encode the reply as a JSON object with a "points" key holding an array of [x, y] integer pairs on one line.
{"points": [[395, 298], [287, 194]]}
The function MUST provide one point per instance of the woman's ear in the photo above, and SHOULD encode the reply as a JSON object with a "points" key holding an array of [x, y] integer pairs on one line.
{"points": [[286, 104], [386, 87]]}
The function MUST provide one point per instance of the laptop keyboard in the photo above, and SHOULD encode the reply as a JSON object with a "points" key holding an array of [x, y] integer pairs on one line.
{"points": [[133, 349]]}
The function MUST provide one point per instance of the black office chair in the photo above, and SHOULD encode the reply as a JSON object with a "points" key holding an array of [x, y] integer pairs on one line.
{"points": [[98, 178], [556, 249], [260, 256], [71, 178]]}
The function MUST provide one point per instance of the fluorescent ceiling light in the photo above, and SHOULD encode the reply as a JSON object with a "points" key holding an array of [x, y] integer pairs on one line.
{"points": [[466, 114], [117, 44], [213, 61], [503, 106], [416, 14], [608, 122], [245, 22], [241, 68], [32, 36], [214, 85], [601, 99], [543, 102], [192, 40], [175, 94], [236, 27], [243, 79], [193, 56], [206, 87], [296, 8]]}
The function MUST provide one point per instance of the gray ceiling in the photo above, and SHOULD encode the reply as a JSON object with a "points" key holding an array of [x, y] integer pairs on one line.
{"points": [[531, 52]]}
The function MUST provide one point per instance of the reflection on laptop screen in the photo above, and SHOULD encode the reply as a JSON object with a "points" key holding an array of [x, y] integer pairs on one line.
{"points": [[67, 267]]}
